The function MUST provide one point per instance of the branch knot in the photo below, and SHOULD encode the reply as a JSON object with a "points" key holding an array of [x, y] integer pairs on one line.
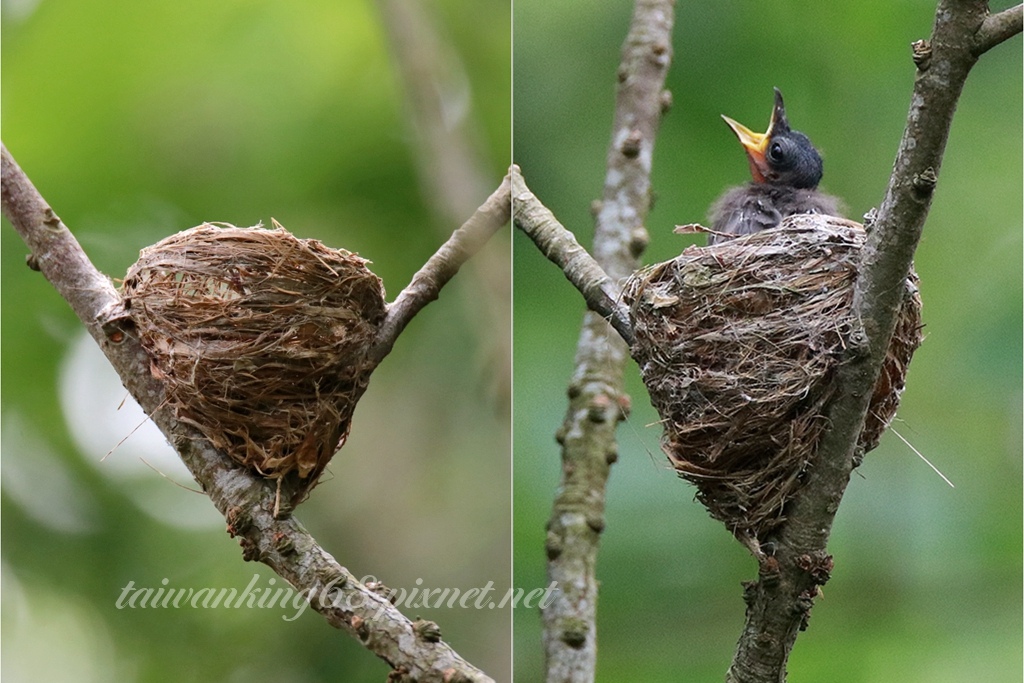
{"points": [[922, 54], [632, 143], [51, 219], [924, 182]]}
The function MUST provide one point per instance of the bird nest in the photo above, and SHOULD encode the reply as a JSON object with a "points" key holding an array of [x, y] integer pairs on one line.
{"points": [[261, 341], [738, 345]]}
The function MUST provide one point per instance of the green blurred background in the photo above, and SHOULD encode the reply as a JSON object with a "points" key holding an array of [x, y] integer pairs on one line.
{"points": [[927, 586], [137, 120]]}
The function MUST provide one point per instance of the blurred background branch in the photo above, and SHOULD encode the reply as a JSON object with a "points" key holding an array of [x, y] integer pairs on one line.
{"points": [[597, 399], [439, 107], [438, 104]]}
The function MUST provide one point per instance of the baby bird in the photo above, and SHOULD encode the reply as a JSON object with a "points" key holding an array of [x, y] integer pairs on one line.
{"points": [[786, 170]]}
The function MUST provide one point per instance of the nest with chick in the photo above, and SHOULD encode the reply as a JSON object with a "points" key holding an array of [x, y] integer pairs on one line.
{"points": [[738, 345]]}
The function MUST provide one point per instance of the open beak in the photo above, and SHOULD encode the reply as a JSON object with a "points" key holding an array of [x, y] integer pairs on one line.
{"points": [[755, 144]]}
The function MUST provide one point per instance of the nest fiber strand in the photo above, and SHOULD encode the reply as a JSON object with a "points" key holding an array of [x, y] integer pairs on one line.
{"points": [[260, 339], [738, 345]]}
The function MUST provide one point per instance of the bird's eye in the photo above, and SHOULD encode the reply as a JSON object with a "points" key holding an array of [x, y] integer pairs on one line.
{"points": [[775, 152]]}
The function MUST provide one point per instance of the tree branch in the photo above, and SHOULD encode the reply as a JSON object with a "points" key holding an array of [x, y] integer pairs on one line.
{"points": [[997, 28], [426, 284], [438, 97], [246, 500], [597, 401], [561, 248], [778, 603]]}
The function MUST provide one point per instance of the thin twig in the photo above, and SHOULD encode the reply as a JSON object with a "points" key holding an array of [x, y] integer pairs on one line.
{"points": [[597, 398], [246, 500], [440, 106], [561, 248], [778, 604], [426, 284]]}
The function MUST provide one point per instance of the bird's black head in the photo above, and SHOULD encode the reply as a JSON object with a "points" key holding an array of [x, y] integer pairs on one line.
{"points": [[780, 156]]}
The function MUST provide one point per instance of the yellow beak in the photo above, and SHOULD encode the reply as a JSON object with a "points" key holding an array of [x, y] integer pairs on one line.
{"points": [[755, 145]]}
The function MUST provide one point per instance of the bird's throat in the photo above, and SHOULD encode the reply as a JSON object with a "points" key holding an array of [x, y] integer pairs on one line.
{"points": [[758, 167]]}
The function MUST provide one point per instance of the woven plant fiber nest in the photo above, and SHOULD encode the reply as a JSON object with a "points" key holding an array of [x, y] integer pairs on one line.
{"points": [[261, 341], [738, 345]]}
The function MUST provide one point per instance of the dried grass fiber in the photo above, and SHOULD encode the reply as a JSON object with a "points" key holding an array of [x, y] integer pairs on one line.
{"points": [[738, 345], [260, 339]]}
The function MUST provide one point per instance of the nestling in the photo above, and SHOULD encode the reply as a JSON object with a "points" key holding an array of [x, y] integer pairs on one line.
{"points": [[786, 170]]}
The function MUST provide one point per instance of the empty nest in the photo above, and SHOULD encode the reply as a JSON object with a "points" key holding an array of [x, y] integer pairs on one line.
{"points": [[261, 341], [738, 345]]}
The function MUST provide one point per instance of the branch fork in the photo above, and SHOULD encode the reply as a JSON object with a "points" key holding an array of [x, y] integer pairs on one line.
{"points": [[247, 501]]}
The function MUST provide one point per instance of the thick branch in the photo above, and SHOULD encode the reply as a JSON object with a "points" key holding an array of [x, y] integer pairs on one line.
{"points": [[597, 401], [246, 500], [778, 604], [997, 28], [426, 284], [561, 248]]}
